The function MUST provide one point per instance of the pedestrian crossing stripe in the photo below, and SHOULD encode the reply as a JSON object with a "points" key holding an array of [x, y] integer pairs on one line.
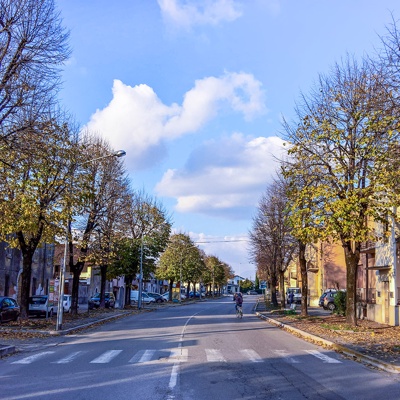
{"points": [[177, 355], [106, 357], [35, 357]]}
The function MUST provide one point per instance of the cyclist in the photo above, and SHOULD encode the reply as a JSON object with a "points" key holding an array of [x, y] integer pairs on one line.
{"points": [[238, 299]]}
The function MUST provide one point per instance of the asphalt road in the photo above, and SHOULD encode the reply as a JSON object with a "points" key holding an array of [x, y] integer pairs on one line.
{"points": [[199, 351]]}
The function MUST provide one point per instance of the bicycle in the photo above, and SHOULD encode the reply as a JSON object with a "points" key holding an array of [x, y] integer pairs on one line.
{"points": [[239, 312]]}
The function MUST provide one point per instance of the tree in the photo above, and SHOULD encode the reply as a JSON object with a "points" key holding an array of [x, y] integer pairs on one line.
{"points": [[216, 273], [272, 244], [147, 227], [33, 46], [342, 148], [93, 188], [34, 192], [110, 231], [181, 261]]}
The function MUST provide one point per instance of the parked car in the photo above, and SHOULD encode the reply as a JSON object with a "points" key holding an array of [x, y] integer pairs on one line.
{"points": [[322, 297], [41, 306], [156, 296], [252, 292], [197, 294], [329, 301], [109, 300], [9, 309], [296, 295], [67, 303], [145, 297], [166, 296]]}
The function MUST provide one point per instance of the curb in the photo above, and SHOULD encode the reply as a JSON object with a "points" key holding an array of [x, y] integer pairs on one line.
{"points": [[355, 355]]}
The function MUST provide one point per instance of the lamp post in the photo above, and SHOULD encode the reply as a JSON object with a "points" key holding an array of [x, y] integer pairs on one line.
{"points": [[140, 275], [60, 308]]}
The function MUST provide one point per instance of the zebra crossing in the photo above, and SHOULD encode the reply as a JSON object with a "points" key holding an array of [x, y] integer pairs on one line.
{"points": [[178, 355]]}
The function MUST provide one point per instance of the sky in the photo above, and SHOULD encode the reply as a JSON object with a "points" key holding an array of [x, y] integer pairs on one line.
{"points": [[195, 92]]}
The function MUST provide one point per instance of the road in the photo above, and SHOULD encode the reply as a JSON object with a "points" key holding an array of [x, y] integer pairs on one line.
{"points": [[199, 351]]}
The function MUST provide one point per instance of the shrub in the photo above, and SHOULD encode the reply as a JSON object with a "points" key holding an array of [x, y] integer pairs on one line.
{"points": [[340, 303]]}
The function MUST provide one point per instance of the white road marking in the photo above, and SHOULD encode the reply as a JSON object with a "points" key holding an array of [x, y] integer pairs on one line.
{"points": [[69, 358], [323, 357], [106, 357], [142, 356], [214, 355], [178, 355], [251, 355], [284, 354], [31, 359]]}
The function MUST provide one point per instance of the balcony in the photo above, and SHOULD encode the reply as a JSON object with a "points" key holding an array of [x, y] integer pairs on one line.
{"points": [[368, 247]]}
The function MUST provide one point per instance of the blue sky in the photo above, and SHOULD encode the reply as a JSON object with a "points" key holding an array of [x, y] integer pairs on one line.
{"points": [[194, 91]]}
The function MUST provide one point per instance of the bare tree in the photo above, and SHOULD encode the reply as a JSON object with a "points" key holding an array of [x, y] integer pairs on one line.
{"points": [[33, 46], [272, 245]]}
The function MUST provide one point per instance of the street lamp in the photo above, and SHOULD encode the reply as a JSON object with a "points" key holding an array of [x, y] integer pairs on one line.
{"points": [[60, 308]]}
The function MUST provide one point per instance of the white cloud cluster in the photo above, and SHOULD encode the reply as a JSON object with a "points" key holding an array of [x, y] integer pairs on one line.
{"points": [[225, 177], [187, 13], [138, 121]]}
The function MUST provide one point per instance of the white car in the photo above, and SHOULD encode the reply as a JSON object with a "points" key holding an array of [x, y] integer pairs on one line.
{"points": [[41, 306], [67, 303], [166, 296], [145, 297]]}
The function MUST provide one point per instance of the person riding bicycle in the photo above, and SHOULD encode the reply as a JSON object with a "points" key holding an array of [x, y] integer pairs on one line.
{"points": [[238, 299]]}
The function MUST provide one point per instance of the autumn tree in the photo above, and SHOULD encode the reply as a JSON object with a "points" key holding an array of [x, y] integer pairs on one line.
{"points": [[146, 229], [342, 138], [216, 273], [34, 190], [110, 230], [182, 261], [93, 188]]}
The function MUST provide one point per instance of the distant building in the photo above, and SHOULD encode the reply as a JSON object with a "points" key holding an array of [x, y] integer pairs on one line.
{"points": [[11, 269]]}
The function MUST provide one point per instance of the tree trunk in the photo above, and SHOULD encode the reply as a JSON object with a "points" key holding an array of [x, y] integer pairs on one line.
{"points": [[103, 275], [27, 257], [171, 282], [274, 299], [352, 257], [128, 285], [304, 279], [282, 285], [75, 293]]}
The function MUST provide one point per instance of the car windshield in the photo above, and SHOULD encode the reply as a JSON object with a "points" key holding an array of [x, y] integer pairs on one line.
{"points": [[37, 300]]}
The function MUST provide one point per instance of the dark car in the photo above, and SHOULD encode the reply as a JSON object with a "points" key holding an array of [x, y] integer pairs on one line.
{"points": [[329, 300], [109, 300], [321, 299], [9, 309]]}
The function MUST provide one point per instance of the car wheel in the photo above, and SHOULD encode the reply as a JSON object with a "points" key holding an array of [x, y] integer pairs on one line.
{"points": [[331, 306]]}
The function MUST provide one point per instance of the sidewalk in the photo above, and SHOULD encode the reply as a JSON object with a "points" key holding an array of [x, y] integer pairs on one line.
{"points": [[371, 343]]}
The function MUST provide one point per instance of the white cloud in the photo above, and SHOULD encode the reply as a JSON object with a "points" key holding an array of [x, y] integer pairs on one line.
{"points": [[224, 178], [231, 249], [138, 121], [186, 14]]}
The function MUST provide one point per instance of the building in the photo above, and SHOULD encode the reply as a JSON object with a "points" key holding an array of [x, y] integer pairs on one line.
{"points": [[378, 281], [11, 269]]}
